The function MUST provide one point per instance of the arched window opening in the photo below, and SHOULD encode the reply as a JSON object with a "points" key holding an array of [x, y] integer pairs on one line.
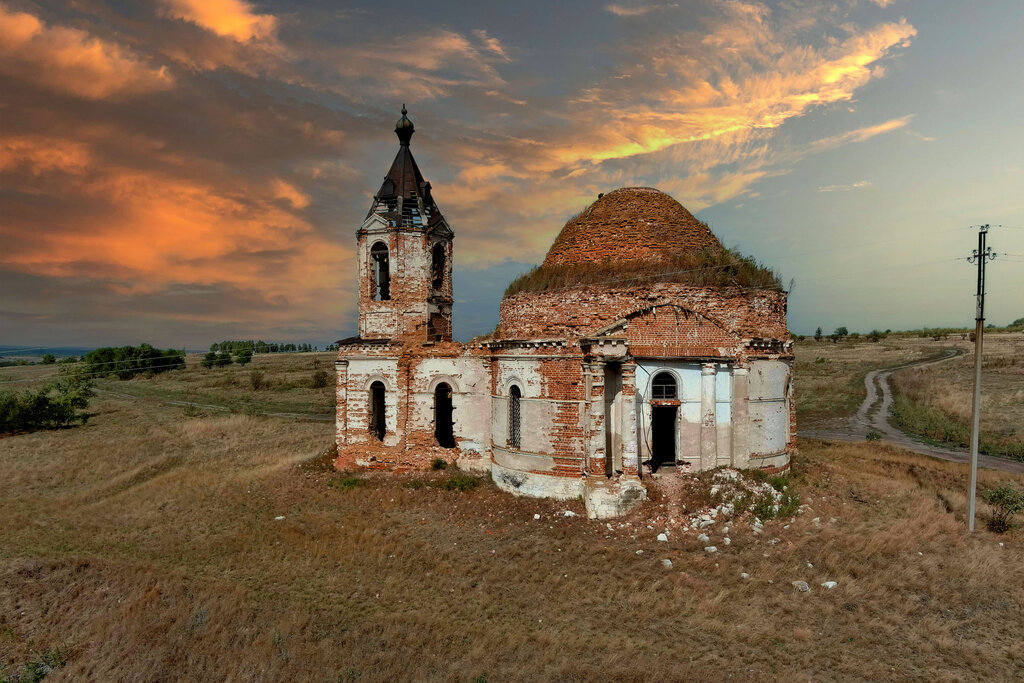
{"points": [[378, 424], [437, 266], [443, 410], [515, 417], [381, 272], [663, 387]]}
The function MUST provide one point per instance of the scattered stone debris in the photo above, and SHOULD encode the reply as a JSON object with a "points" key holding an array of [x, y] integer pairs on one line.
{"points": [[711, 549], [663, 538], [703, 538], [802, 586], [536, 516], [726, 540], [278, 518], [829, 585], [639, 552], [568, 513], [666, 563], [745, 576]]}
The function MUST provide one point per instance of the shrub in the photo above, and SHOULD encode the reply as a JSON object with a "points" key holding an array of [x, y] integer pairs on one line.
{"points": [[439, 464], [874, 435], [460, 482], [1006, 501], [320, 379], [244, 357], [789, 505], [345, 483], [778, 482], [258, 380], [51, 407], [49, 359], [764, 507]]}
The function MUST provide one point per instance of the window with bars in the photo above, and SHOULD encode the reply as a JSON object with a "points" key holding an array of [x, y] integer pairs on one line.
{"points": [[515, 417], [663, 387]]}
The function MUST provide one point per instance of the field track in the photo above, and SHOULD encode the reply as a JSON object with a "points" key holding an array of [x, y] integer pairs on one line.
{"points": [[874, 414]]}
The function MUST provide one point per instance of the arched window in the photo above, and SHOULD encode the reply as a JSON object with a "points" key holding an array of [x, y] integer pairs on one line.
{"points": [[443, 424], [437, 266], [663, 386], [515, 417], [377, 424], [380, 271]]}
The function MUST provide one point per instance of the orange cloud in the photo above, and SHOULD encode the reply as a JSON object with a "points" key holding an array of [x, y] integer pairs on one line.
{"points": [[228, 18], [159, 229], [72, 61]]}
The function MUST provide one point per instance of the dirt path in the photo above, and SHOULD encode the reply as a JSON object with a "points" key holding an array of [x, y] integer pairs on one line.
{"points": [[874, 414]]}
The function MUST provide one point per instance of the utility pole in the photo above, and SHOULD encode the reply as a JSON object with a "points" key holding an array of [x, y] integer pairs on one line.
{"points": [[981, 255]]}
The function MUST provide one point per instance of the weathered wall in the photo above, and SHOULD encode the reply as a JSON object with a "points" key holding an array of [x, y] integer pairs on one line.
{"points": [[407, 314], [769, 407], [581, 311]]}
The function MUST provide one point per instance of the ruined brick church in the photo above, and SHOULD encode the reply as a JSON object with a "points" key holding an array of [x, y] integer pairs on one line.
{"points": [[584, 389]]}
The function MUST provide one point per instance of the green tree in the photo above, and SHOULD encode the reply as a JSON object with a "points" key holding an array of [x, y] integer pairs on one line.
{"points": [[209, 360], [841, 332], [243, 357], [49, 359], [817, 334]]}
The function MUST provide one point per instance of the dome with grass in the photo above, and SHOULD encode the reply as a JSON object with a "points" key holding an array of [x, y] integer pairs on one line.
{"points": [[640, 235]]}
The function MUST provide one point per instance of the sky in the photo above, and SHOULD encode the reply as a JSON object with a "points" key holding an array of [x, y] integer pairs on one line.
{"points": [[186, 171]]}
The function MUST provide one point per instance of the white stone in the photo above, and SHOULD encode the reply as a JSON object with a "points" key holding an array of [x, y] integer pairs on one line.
{"points": [[829, 585], [816, 521], [667, 563], [278, 518], [810, 566], [801, 586], [639, 552], [727, 540], [744, 576], [568, 513], [536, 516], [711, 549], [703, 538], [663, 538]]}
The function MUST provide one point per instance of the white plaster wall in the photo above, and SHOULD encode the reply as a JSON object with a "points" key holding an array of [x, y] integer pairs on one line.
{"points": [[536, 485], [688, 384], [361, 373], [723, 414], [470, 382], [538, 414], [769, 414]]}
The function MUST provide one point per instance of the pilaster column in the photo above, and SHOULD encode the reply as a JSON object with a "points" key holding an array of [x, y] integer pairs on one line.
{"points": [[740, 418], [341, 402], [595, 418], [708, 431], [630, 449]]}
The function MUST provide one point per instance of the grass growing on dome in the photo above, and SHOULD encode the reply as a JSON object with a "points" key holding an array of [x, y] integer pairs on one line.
{"points": [[703, 268]]}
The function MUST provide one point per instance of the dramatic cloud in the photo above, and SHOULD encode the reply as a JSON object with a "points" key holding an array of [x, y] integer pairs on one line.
{"points": [[230, 18], [70, 60], [223, 195]]}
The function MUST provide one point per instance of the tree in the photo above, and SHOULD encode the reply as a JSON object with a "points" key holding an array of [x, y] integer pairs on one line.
{"points": [[209, 360], [49, 359], [841, 332], [243, 357], [817, 334]]}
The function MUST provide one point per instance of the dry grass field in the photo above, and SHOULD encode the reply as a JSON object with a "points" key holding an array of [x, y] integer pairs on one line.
{"points": [[936, 402], [158, 542]]}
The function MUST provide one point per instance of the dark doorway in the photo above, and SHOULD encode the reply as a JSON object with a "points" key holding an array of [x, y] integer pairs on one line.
{"points": [[443, 423], [437, 266], [663, 435], [378, 425]]}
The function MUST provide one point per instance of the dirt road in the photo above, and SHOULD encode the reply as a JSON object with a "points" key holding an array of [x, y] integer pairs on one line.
{"points": [[874, 414]]}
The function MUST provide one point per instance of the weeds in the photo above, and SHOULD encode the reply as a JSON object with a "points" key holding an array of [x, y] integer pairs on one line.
{"points": [[1006, 501], [320, 379], [258, 380], [764, 507], [345, 483], [703, 268], [37, 669], [439, 464], [873, 435], [459, 482]]}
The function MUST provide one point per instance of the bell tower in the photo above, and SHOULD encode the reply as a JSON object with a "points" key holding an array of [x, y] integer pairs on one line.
{"points": [[404, 252]]}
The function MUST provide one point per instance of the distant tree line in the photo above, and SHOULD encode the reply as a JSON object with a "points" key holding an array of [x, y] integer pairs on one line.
{"points": [[234, 346], [125, 362]]}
